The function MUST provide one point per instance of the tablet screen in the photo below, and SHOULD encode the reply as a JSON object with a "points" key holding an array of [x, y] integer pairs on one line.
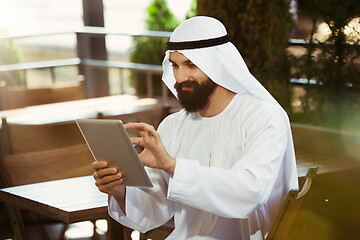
{"points": [[108, 140]]}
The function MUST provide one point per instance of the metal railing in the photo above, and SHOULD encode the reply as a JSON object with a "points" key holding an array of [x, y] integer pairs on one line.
{"points": [[148, 69]]}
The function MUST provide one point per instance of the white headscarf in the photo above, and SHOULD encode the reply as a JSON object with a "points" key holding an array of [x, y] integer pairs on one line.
{"points": [[224, 65]]}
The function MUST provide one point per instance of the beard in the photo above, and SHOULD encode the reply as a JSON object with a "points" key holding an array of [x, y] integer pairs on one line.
{"points": [[196, 99]]}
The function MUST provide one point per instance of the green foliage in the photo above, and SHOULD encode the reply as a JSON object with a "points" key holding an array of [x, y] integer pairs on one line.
{"points": [[192, 12], [260, 30], [152, 50], [10, 54], [333, 63]]}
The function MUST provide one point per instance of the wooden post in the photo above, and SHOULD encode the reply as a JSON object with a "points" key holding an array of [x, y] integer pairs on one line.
{"points": [[149, 85], [93, 47], [17, 223]]}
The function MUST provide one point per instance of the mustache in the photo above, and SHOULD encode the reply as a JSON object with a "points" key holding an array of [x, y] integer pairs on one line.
{"points": [[188, 83]]}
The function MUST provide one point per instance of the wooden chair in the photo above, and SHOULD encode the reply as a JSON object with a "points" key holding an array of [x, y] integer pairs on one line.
{"points": [[34, 141], [36, 153], [18, 97], [46, 165], [282, 225], [22, 138]]}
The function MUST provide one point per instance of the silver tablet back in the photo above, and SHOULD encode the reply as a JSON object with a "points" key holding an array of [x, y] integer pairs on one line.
{"points": [[108, 140]]}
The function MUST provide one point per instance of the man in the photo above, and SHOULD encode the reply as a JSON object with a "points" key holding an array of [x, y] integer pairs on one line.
{"points": [[223, 165]]}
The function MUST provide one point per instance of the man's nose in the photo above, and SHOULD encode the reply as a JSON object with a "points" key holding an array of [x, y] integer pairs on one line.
{"points": [[182, 75]]}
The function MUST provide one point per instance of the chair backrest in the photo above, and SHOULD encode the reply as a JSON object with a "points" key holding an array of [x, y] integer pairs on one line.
{"points": [[22, 138], [33, 167], [285, 219], [17, 97], [36, 153]]}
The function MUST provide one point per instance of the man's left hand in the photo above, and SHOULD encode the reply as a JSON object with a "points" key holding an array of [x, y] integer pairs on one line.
{"points": [[154, 154]]}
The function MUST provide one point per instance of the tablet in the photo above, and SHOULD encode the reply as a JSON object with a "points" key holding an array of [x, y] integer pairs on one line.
{"points": [[108, 140]]}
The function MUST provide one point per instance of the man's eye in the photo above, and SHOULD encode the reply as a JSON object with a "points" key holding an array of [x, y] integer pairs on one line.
{"points": [[191, 65], [175, 65]]}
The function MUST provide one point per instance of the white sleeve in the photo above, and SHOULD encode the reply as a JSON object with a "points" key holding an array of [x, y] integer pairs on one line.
{"points": [[235, 192]]}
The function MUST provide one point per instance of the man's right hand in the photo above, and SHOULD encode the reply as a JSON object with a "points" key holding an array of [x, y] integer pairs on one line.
{"points": [[108, 180]]}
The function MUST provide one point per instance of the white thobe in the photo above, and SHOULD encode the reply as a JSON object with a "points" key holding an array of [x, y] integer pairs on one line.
{"points": [[229, 175]]}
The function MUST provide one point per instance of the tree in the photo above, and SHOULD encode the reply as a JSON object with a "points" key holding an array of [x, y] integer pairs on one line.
{"points": [[193, 9], [333, 63], [151, 50], [260, 30]]}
